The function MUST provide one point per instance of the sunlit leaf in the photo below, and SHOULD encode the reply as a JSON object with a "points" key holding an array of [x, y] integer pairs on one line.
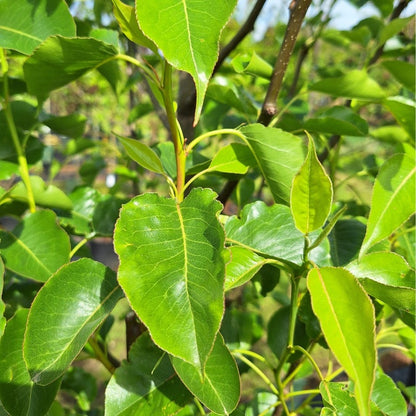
{"points": [[402, 71], [172, 269], [232, 158], [403, 110], [393, 199], [346, 315], [191, 24], [65, 313]]}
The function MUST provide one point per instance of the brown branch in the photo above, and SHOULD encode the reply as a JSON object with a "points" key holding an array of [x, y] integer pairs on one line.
{"points": [[298, 12]]}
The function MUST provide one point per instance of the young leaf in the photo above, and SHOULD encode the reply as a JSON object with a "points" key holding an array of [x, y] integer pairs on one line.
{"points": [[59, 61], [142, 154], [393, 199], [18, 394], [233, 158], [387, 277], [65, 313], [218, 387], [126, 18], [172, 269], [26, 24], [169, 23], [27, 250], [346, 315], [146, 384], [354, 84], [311, 194], [279, 156]]}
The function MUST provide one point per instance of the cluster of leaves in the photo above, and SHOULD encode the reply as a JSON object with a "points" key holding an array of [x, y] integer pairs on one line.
{"points": [[194, 274]]}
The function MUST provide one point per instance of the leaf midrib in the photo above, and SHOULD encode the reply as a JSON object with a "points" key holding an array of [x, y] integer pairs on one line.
{"points": [[19, 32]]}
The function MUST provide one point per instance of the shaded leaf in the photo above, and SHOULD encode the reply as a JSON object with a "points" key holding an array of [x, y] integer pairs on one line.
{"points": [[72, 125], [142, 154], [36, 247], [63, 60], [18, 394], [172, 269], [232, 158], [146, 384], [26, 24], [354, 84], [393, 199], [65, 313], [403, 110], [279, 156], [218, 387], [311, 194], [339, 399], [402, 71], [191, 24], [346, 315]]}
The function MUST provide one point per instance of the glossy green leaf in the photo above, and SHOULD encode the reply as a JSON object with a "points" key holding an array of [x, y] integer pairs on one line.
{"points": [[311, 194], [279, 156], [26, 24], [142, 154], [126, 18], [345, 241], [2, 304], [232, 158], [242, 265], [63, 60], [218, 387], [48, 196], [338, 120], [346, 315], [181, 23], [146, 384], [387, 397], [354, 84], [402, 71], [393, 199], [172, 269], [339, 399], [403, 110], [27, 250], [18, 394], [65, 313], [387, 276], [72, 125]]}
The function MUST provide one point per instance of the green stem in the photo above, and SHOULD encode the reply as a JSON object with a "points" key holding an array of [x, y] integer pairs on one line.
{"points": [[393, 346], [258, 372], [77, 247], [177, 136], [312, 361], [250, 354], [21, 157], [100, 355]]}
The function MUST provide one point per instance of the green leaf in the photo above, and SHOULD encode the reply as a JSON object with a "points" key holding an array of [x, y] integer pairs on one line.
{"points": [[339, 399], [252, 64], [311, 194], [403, 110], [63, 60], [72, 125], [218, 387], [354, 84], [387, 397], [18, 394], [279, 156], [242, 266], [338, 120], [402, 71], [393, 199], [387, 276], [48, 196], [126, 18], [169, 23], [25, 24], [65, 313], [345, 240], [390, 134], [172, 269], [393, 28], [142, 154], [346, 315], [2, 304], [232, 158], [146, 384], [385, 6], [27, 250], [8, 169]]}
